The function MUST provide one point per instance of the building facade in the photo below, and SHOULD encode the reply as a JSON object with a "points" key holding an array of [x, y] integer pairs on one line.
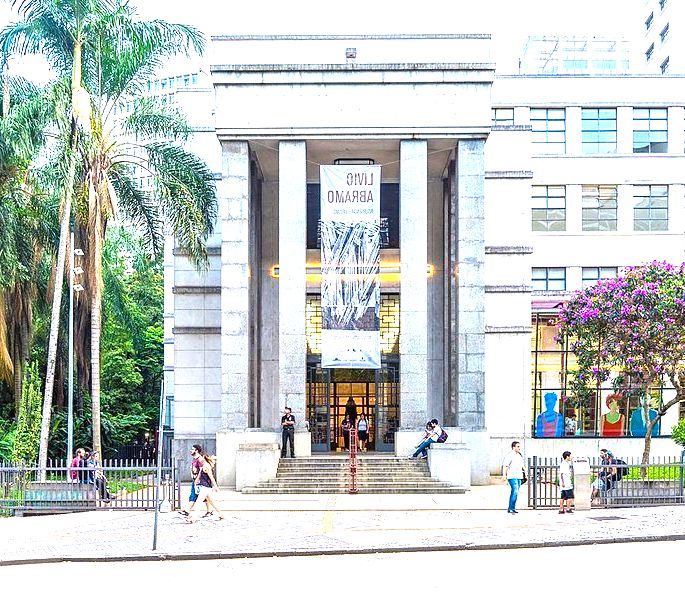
{"points": [[499, 196], [663, 29]]}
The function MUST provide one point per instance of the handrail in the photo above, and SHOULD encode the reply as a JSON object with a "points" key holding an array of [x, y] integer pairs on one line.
{"points": [[353, 460]]}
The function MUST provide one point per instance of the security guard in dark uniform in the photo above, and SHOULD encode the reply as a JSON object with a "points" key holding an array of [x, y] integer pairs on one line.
{"points": [[288, 432]]}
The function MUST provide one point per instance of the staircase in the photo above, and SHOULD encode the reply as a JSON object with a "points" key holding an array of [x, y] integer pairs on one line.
{"points": [[331, 474]]}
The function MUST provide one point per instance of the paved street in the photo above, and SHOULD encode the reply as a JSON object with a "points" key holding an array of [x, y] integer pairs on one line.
{"points": [[583, 569], [283, 525]]}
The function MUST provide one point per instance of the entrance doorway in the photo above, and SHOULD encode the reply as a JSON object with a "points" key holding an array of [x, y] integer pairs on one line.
{"points": [[374, 392]]}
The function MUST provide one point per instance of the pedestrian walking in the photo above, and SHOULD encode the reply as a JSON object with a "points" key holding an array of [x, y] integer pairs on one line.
{"points": [[513, 470], [288, 432], [566, 484], [195, 466], [206, 488]]}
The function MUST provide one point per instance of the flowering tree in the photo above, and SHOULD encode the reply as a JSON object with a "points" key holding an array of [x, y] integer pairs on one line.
{"points": [[631, 328]]}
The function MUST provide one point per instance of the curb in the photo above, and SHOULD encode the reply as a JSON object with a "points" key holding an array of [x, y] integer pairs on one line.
{"points": [[179, 557]]}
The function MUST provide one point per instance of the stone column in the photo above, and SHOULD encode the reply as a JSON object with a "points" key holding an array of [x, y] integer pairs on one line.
{"points": [[467, 323], [414, 284], [234, 197], [292, 289], [469, 317]]}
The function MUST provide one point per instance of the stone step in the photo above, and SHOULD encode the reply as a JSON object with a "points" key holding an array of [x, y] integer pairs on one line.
{"points": [[360, 490], [385, 474]]}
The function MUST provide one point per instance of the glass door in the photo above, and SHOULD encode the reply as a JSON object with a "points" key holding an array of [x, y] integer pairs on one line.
{"points": [[387, 411], [318, 399]]}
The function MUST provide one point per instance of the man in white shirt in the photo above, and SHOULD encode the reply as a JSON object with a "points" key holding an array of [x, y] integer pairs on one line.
{"points": [[513, 469], [566, 484]]}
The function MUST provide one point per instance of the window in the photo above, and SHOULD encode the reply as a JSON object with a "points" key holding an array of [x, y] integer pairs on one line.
{"points": [[664, 33], [502, 116], [599, 208], [650, 130], [549, 129], [604, 64], [575, 65], [651, 207], [649, 21], [554, 369], [549, 209], [649, 52], [599, 130], [593, 274], [549, 278], [664, 66]]}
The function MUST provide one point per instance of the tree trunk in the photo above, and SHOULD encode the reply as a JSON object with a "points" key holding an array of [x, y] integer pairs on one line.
{"points": [[54, 319], [18, 372], [59, 276], [95, 330], [95, 254]]}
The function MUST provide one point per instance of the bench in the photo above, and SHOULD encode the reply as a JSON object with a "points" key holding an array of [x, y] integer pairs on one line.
{"points": [[56, 497]]}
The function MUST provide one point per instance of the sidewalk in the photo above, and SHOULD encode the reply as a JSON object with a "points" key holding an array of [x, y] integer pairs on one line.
{"points": [[262, 526]]}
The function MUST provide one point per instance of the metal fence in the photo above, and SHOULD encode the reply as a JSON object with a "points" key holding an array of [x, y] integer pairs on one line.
{"points": [[661, 482], [58, 488]]}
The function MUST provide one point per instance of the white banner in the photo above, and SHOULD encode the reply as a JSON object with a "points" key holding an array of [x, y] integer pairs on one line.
{"points": [[350, 266]]}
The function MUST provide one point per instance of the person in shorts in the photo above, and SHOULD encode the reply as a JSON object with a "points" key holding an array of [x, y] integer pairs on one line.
{"points": [[566, 484]]}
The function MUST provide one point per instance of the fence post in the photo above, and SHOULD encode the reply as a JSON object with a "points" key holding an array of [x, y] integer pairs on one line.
{"points": [[533, 481]]}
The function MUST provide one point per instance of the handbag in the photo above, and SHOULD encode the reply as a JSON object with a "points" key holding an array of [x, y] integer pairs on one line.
{"points": [[524, 479]]}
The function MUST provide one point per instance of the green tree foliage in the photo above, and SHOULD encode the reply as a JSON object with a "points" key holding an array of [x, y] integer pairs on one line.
{"points": [[678, 433], [631, 330], [27, 437]]}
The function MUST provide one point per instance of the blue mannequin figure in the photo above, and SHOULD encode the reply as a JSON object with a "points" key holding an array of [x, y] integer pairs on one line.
{"points": [[549, 423], [638, 424]]}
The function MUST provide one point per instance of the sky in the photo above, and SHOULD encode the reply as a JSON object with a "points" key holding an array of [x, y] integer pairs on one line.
{"points": [[509, 21]]}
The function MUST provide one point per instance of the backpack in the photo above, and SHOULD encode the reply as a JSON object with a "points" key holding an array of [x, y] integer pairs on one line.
{"points": [[621, 468], [443, 437]]}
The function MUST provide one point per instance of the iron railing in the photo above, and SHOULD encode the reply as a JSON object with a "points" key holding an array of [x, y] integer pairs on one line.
{"points": [[353, 460], [57, 488], [661, 482]]}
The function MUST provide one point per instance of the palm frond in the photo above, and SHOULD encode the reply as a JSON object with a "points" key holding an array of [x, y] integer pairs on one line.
{"points": [[153, 119], [186, 189], [140, 208]]}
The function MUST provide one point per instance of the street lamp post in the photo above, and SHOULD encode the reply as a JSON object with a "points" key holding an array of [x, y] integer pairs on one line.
{"points": [[73, 272]]}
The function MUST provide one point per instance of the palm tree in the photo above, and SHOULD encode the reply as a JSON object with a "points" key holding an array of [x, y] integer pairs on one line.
{"points": [[111, 56], [25, 218]]}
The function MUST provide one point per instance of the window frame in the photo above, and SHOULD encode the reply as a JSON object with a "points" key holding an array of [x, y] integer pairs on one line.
{"points": [[653, 223], [497, 121], [549, 197], [549, 137], [598, 130], [652, 135], [548, 279], [599, 274], [599, 193]]}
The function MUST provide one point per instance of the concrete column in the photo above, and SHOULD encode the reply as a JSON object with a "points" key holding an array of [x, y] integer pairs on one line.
{"points": [[234, 198], [676, 129], [624, 209], [574, 208], [414, 283], [292, 288], [468, 325], [624, 129], [271, 419], [574, 127]]}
